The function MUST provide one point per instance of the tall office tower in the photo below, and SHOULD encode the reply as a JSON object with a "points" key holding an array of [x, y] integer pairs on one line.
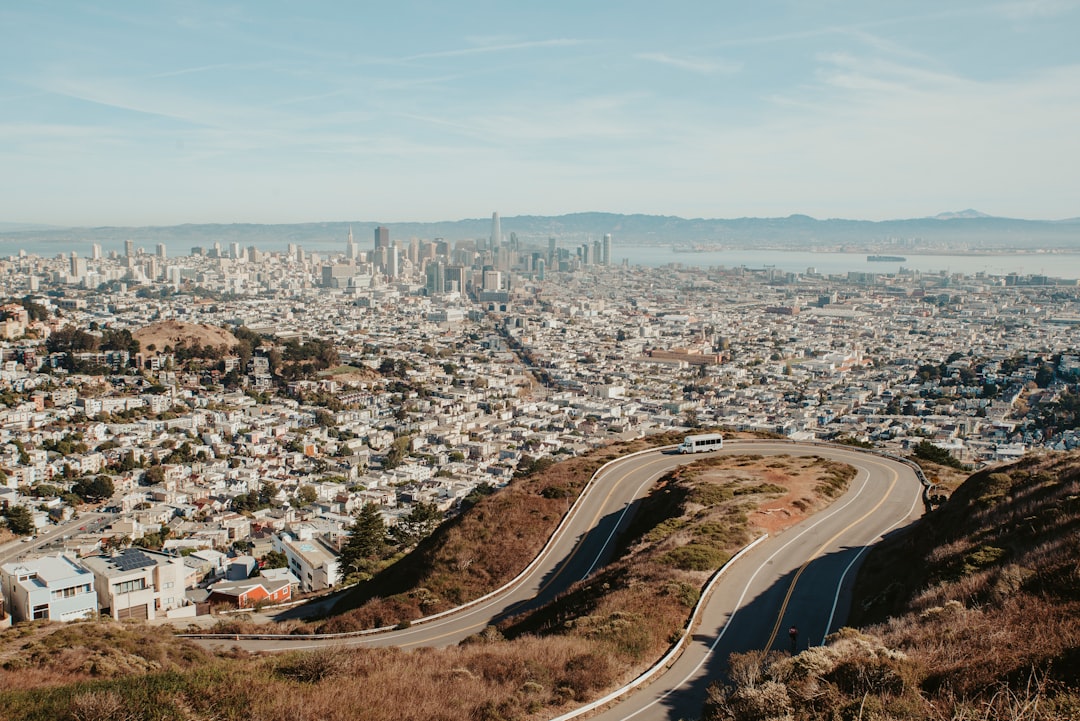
{"points": [[541, 269], [514, 242], [496, 231], [500, 258], [553, 253], [382, 237], [95, 251], [299, 254], [414, 251], [252, 254], [436, 278], [129, 248], [492, 279], [161, 251], [606, 252], [78, 265], [584, 252], [216, 250], [352, 250], [234, 251], [597, 253], [392, 265], [454, 278]]}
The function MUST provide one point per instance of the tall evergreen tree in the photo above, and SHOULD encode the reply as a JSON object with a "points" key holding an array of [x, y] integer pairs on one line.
{"points": [[20, 520], [367, 540]]}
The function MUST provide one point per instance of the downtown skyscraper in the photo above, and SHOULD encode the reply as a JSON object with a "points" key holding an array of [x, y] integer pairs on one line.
{"points": [[496, 231]]}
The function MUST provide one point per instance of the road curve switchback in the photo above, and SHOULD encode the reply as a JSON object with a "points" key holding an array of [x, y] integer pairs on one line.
{"points": [[800, 577]]}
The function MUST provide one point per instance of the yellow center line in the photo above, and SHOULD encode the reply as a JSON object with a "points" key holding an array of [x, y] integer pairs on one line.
{"points": [[563, 564], [822, 547], [592, 524]]}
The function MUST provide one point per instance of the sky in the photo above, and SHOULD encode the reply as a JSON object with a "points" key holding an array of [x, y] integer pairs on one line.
{"points": [[157, 113]]}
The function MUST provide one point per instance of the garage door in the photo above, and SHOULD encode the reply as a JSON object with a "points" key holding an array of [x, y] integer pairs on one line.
{"points": [[138, 612]]}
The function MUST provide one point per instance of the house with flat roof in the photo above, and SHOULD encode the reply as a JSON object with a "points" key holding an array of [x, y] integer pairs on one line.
{"points": [[139, 583], [311, 561], [55, 588]]}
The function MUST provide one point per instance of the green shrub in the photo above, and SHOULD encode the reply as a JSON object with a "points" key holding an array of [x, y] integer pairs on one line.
{"points": [[695, 557]]}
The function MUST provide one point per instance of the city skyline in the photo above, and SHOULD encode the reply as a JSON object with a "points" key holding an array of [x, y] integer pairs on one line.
{"points": [[202, 113]]}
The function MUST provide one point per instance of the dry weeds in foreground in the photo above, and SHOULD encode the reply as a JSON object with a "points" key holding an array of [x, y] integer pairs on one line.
{"points": [[597, 636], [977, 615]]}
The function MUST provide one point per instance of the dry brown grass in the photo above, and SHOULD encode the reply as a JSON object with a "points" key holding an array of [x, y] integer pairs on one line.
{"points": [[600, 634], [44, 653], [530, 678], [479, 550], [693, 520], [977, 614], [173, 332]]}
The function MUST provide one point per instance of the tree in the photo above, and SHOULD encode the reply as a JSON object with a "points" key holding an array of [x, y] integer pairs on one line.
{"points": [[267, 491], [45, 490], [424, 518], [94, 489], [153, 476], [153, 540], [480, 491], [127, 461], [529, 465], [20, 520], [275, 559], [398, 450], [935, 454], [307, 495], [367, 540]]}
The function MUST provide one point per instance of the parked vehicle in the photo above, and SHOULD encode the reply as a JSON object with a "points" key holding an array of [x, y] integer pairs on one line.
{"points": [[702, 442]]}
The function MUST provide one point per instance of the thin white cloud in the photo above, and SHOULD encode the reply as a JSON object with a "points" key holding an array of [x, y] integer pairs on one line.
{"points": [[880, 135], [118, 94], [1032, 9], [694, 65], [206, 68], [499, 48]]}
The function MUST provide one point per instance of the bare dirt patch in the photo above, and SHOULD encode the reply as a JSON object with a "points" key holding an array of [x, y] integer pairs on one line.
{"points": [[800, 476], [351, 375], [173, 333]]}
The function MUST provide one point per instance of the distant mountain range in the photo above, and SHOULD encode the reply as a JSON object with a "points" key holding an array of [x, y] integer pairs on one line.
{"points": [[969, 213], [962, 230]]}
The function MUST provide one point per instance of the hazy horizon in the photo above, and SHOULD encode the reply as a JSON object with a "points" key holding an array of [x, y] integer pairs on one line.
{"points": [[7, 226], [203, 112]]}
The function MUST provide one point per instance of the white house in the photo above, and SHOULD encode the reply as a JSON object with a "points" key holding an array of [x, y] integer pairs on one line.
{"points": [[139, 583], [54, 588], [313, 563]]}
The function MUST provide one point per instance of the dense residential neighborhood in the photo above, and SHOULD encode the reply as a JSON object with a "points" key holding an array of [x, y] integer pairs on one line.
{"points": [[181, 433]]}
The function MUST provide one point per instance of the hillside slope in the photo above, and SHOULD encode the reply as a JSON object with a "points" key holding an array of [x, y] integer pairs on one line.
{"points": [[173, 333], [972, 613]]}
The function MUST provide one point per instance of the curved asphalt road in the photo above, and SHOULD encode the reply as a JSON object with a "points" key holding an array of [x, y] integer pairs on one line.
{"points": [[802, 576]]}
